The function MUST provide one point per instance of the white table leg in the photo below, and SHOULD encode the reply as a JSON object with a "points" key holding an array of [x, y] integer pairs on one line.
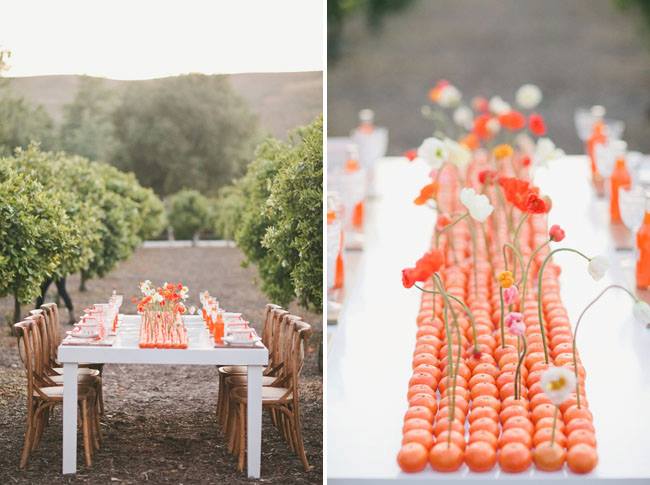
{"points": [[254, 415], [70, 417]]}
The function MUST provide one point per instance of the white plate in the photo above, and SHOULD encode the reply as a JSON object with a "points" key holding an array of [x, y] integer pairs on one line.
{"points": [[86, 337], [249, 343]]}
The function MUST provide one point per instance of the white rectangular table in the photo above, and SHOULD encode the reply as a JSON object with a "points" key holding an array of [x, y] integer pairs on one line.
{"points": [[369, 363], [200, 351]]}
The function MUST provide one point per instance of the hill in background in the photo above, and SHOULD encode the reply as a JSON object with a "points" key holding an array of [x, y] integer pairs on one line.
{"points": [[282, 101]]}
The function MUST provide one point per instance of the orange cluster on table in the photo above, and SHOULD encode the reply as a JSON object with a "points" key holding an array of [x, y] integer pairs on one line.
{"points": [[489, 426]]}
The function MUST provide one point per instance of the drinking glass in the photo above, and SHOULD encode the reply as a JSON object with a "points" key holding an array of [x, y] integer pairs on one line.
{"points": [[632, 207]]}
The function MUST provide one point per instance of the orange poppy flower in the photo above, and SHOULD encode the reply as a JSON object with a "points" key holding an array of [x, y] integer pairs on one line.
{"points": [[502, 151], [471, 141], [427, 192]]}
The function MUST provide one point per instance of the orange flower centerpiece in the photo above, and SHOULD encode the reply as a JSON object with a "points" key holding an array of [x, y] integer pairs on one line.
{"points": [[161, 309]]}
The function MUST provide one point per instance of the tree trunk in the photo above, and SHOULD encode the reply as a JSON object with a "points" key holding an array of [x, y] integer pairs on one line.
{"points": [[17, 311], [82, 282]]}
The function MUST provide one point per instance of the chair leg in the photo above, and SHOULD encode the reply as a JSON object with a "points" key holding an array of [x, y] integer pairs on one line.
{"points": [[231, 430], [85, 419], [39, 425], [27, 446], [100, 398], [297, 429], [242, 436], [220, 398], [97, 436]]}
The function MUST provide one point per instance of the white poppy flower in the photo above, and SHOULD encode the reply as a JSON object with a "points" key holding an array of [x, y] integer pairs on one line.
{"points": [[478, 206], [192, 310], [464, 117], [546, 151], [433, 151], [449, 97], [641, 311], [598, 266], [498, 106], [157, 297], [458, 155], [558, 383], [528, 96], [493, 126]]}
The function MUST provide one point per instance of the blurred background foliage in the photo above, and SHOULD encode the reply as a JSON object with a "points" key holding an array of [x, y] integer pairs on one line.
{"points": [[124, 162]]}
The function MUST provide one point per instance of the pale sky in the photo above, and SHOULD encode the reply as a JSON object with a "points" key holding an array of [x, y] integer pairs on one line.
{"points": [[141, 39]]}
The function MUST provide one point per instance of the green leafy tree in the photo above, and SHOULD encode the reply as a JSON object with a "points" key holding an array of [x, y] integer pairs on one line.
{"points": [[22, 123], [189, 213], [87, 126], [274, 213], [295, 236], [188, 131], [36, 235]]}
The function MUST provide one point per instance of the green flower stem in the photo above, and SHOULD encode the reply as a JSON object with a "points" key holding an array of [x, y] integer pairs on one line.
{"points": [[487, 250], [518, 257], [575, 333], [524, 277], [472, 231], [501, 324], [539, 292], [522, 356], [554, 425], [452, 224], [465, 309], [520, 224]]}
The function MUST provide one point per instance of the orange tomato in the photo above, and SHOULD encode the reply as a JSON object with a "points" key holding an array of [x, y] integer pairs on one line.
{"points": [[512, 411], [484, 389], [457, 438], [416, 423], [461, 403], [582, 458], [549, 458], [515, 435], [548, 423], [511, 401], [480, 456], [433, 370], [575, 412], [420, 412], [442, 425], [483, 412], [480, 378], [424, 359], [445, 458], [459, 414], [484, 436], [543, 435], [544, 410], [484, 424], [515, 458], [419, 389], [486, 368], [490, 401], [581, 436], [423, 378], [519, 422], [425, 400], [579, 423], [449, 382], [412, 457], [539, 399], [422, 436]]}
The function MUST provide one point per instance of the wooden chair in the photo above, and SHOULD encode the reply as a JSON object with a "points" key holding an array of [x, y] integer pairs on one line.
{"points": [[270, 329], [285, 400], [53, 329], [42, 398]]}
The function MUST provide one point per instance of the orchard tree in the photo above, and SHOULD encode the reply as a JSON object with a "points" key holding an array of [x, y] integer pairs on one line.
{"points": [[189, 214], [87, 126], [36, 235], [189, 131]]}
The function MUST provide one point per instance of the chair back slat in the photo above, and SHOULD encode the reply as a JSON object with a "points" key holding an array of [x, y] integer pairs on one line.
{"points": [[52, 320], [24, 332], [42, 368], [267, 329], [275, 350], [302, 332]]}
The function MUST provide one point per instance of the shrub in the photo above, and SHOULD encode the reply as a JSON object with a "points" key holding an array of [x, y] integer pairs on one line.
{"points": [[189, 213]]}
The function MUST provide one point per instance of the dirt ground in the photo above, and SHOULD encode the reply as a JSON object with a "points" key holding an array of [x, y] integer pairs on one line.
{"points": [[159, 425], [580, 53]]}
